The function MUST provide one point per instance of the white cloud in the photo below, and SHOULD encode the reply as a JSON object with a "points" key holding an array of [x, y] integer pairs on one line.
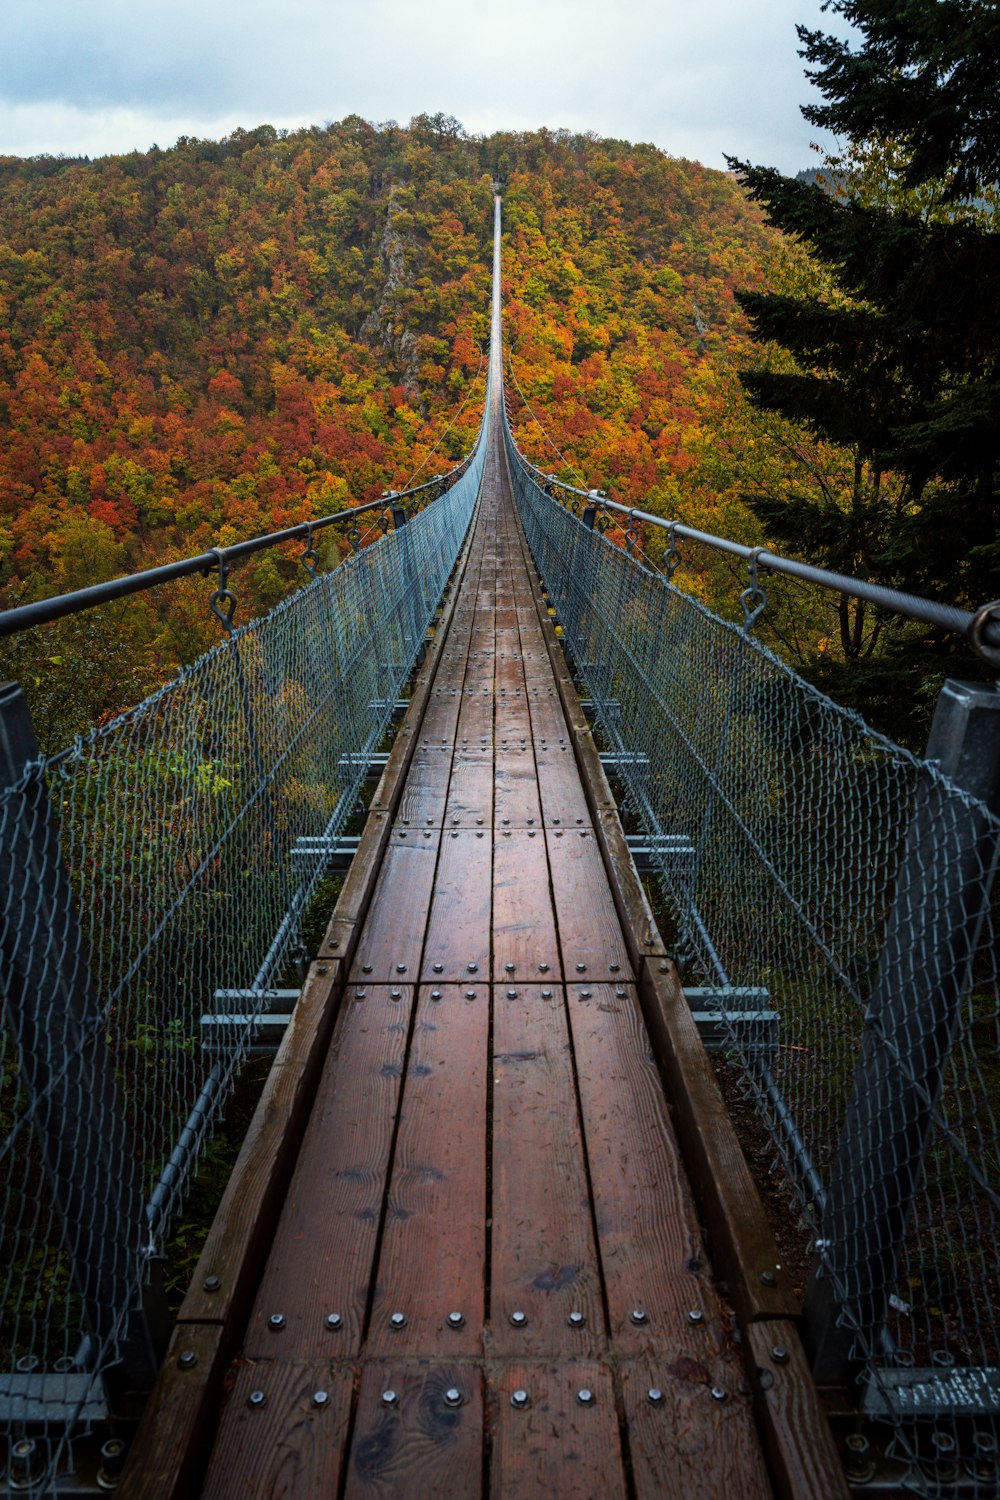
{"points": [[697, 79]]}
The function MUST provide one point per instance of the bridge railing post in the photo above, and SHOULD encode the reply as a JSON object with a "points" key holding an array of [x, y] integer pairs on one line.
{"points": [[66, 1072], [935, 926]]}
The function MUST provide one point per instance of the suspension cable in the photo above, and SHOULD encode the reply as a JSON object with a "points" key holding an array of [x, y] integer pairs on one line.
{"points": [[562, 457], [468, 397]]}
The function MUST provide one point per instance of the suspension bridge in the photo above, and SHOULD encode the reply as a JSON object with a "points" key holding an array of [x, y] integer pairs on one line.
{"points": [[491, 1230]]}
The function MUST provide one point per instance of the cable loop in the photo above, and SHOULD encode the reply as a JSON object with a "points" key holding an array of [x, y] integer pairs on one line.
{"points": [[753, 598], [672, 558], [223, 603], [310, 558], [987, 614], [631, 534]]}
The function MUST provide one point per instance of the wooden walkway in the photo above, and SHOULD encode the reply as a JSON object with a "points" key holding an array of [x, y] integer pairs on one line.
{"points": [[487, 1276]]}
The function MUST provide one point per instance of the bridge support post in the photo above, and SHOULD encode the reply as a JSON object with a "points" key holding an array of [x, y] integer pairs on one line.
{"points": [[935, 926], [67, 1074]]}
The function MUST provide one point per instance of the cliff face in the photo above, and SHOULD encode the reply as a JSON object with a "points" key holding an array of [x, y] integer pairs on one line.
{"points": [[385, 326]]}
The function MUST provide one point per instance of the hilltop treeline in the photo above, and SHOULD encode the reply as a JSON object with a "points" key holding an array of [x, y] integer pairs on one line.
{"points": [[206, 342]]}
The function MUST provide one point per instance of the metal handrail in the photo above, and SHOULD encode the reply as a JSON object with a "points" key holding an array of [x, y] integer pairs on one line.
{"points": [[42, 611], [981, 627]]}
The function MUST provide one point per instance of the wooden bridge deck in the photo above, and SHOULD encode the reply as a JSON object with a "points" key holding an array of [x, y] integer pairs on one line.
{"points": [[488, 1275]]}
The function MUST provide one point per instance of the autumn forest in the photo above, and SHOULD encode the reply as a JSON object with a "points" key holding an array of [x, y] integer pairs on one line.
{"points": [[205, 343]]}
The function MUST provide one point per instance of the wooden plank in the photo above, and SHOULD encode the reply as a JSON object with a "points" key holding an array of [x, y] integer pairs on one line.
{"points": [[508, 645], [743, 1247], [638, 924], [525, 946], [516, 803], [170, 1448], [512, 697], [563, 801], [564, 804], [590, 934], [238, 1241], [443, 710], [322, 1258], [548, 722], [419, 1447], [475, 720], [648, 1236], [804, 1459], [395, 935], [425, 791], [544, 1263], [434, 1242], [458, 931], [682, 1440], [555, 1446], [470, 791], [359, 882], [291, 1444]]}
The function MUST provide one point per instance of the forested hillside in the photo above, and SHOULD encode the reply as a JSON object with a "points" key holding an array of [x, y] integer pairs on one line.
{"points": [[204, 343]]}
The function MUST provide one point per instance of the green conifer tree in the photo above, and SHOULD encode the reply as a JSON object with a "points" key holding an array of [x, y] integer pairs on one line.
{"points": [[901, 364]]}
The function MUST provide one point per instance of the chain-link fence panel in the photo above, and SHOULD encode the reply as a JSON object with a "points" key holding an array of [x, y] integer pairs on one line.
{"points": [[155, 877], [831, 894]]}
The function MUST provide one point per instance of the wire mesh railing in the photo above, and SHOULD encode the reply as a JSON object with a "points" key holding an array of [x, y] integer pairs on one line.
{"points": [[154, 875], [832, 895]]}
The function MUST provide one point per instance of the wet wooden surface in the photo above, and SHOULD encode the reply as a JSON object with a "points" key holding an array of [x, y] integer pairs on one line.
{"points": [[489, 1200]]}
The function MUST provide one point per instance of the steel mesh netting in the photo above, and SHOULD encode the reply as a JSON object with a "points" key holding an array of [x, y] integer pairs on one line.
{"points": [[831, 894], [194, 830]]}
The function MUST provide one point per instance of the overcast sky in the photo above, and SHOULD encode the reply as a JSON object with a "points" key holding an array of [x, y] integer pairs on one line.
{"points": [[695, 77]]}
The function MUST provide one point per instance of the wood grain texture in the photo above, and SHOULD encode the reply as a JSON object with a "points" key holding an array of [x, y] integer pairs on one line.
{"points": [[470, 791], [804, 1460], [400, 904], [516, 802], [171, 1446], [359, 882], [544, 1262], [475, 718], [434, 1243], [589, 931], [642, 936], [458, 930], [743, 1247], [322, 1258], [425, 793], [648, 1236], [289, 1448], [420, 1447], [688, 1444], [563, 801], [241, 1232], [524, 930], [555, 1446], [548, 722]]}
